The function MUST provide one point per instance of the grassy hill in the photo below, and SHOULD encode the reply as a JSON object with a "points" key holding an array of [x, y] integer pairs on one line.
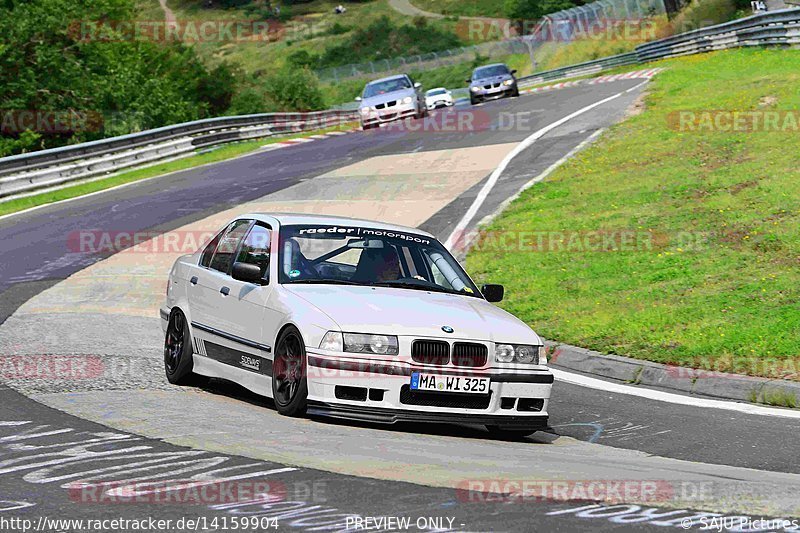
{"points": [[711, 278]]}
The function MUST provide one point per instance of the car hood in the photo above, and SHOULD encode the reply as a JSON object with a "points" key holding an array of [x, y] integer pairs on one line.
{"points": [[387, 97], [489, 80], [410, 312]]}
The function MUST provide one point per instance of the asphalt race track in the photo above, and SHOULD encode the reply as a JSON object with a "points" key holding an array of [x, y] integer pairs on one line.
{"points": [[101, 308]]}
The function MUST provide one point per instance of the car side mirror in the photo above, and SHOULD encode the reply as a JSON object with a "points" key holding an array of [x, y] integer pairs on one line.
{"points": [[247, 272], [469, 80], [492, 292], [417, 85], [514, 71], [358, 98]]}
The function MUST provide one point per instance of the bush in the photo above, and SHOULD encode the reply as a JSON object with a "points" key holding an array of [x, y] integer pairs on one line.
{"points": [[295, 89], [302, 59], [50, 65], [385, 39], [702, 13]]}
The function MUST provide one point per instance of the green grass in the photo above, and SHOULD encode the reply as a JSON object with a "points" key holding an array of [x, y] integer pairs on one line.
{"points": [[228, 151], [720, 287], [464, 8]]}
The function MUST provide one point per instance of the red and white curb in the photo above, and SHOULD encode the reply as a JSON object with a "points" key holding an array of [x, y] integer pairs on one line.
{"points": [[636, 74], [640, 74], [561, 85], [303, 140]]}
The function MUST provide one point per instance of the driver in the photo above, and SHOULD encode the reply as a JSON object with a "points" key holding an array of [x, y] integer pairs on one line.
{"points": [[377, 265]]}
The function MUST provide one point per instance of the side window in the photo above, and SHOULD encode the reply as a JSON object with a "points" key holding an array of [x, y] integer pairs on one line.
{"points": [[223, 256], [208, 252], [256, 249]]}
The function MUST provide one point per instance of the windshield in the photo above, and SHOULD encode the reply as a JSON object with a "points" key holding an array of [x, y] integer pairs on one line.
{"points": [[488, 72], [387, 86], [434, 92], [346, 255]]}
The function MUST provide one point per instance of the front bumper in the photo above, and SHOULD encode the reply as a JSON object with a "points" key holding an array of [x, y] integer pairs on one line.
{"points": [[379, 391], [439, 104], [382, 116], [486, 94]]}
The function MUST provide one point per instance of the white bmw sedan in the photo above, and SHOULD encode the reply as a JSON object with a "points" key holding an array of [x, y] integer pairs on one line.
{"points": [[352, 319]]}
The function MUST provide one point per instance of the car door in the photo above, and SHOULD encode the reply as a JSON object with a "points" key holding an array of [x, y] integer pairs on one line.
{"points": [[227, 314]]}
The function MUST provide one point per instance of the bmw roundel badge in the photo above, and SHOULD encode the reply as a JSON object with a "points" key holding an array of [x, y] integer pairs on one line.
{"points": [[447, 329]]}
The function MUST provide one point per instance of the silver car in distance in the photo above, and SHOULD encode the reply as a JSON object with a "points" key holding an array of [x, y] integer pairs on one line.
{"points": [[352, 319], [389, 99]]}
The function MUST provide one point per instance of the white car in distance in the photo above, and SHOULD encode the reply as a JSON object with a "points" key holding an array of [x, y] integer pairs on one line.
{"points": [[352, 319], [438, 97]]}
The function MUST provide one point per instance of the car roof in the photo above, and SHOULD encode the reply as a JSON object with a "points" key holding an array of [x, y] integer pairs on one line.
{"points": [[300, 218], [387, 78]]}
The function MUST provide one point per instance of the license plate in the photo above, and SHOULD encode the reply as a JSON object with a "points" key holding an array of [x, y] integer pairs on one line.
{"points": [[494, 90], [434, 382]]}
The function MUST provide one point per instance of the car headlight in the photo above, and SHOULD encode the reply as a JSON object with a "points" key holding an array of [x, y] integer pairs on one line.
{"points": [[474, 89], [365, 110], [519, 353], [407, 100], [360, 343], [508, 82]]}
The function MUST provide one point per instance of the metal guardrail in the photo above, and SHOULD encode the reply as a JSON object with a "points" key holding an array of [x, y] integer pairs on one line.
{"points": [[581, 69], [774, 28], [46, 168]]}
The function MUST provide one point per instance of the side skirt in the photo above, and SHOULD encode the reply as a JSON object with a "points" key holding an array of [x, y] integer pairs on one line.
{"points": [[260, 384]]}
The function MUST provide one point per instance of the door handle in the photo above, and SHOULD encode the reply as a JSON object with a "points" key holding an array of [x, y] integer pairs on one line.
{"points": [[193, 281], [225, 291]]}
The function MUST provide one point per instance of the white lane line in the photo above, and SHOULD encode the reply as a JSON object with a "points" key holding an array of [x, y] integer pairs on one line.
{"points": [[652, 394], [458, 231]]}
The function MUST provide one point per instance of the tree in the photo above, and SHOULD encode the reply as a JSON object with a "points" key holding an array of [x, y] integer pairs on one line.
{"points": [[522, 10]]}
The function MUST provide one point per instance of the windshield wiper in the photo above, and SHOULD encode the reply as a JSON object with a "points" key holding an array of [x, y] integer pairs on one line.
{"points": [[329, 282], [409, 285]]}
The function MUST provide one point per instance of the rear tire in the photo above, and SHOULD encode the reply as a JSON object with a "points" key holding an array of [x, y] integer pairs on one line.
{"points": [[509, 434], [178, 361], [289, 383]]}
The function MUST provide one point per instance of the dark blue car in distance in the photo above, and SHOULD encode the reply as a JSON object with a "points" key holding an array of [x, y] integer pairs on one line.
{"points": [[490, 82]]}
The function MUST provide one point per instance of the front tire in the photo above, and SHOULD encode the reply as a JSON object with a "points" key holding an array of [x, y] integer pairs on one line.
{"points": [[289, 383], [178, 350], [508, 434]]}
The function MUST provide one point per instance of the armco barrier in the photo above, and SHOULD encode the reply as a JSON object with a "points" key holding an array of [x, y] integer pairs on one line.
{"points": [[46, 168], [774, 28]]}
